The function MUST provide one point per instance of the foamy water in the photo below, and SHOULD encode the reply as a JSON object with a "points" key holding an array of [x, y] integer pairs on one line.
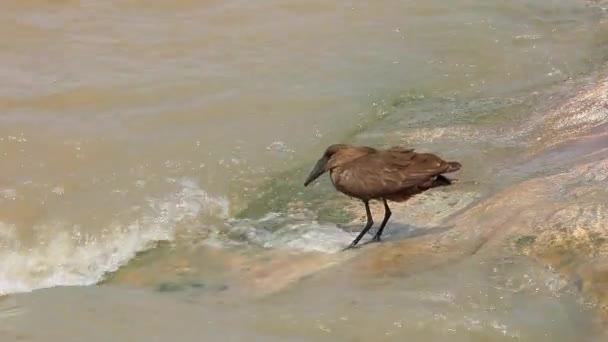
{"points": [[65, 256], [289, 234]]}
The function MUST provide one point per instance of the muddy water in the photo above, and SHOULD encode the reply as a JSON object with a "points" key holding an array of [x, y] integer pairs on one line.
{"points": [[159, 150]]}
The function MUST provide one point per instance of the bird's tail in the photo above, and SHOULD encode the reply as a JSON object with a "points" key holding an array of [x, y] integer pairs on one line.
{"points": [[442, 180], [453, 167]]}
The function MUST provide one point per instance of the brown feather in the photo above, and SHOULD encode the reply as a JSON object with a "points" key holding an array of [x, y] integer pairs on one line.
{"points": [[396, 173]]}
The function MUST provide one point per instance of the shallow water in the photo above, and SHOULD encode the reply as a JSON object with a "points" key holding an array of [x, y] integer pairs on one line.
{"points": [[455, 304], [163, 147]]}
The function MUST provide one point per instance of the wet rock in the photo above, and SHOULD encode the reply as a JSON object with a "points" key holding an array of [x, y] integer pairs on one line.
{"points": [[279, 269], [169, 287], [574, 115], [558, 220], [197, 285]]}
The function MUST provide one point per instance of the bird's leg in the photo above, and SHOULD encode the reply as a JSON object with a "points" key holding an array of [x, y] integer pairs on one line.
{"points": [[387, 215], [368, 225]]}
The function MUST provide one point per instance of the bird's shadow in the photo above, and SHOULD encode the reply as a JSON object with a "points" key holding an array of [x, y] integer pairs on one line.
{"points": [[396, 232]]}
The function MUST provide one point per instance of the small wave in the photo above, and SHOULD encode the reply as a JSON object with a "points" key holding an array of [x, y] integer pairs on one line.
{"points": [[278, 231], [64, 256]]}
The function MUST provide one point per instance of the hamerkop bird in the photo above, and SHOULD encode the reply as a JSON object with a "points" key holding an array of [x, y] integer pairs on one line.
{"points": [[395, 174]]}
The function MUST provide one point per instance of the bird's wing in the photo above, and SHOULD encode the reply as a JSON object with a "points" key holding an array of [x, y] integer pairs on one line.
{"points": [[391, 171], [399, 149]]}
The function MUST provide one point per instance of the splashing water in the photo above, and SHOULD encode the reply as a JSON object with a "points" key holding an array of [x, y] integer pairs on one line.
{"points": [[70, 258]]}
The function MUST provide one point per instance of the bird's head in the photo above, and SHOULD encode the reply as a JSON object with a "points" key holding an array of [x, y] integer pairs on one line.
{"points": [[334, 156]]}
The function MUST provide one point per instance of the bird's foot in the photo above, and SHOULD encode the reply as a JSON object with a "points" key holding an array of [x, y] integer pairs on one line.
{"points": [[373, 240], [351, 246], [376, 238]]}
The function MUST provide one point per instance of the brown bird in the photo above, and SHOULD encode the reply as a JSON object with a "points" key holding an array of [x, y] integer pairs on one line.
{"points": [[395, 174]]}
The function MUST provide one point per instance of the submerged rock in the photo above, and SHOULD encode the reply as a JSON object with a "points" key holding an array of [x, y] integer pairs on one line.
{"points": [[554, 216]]}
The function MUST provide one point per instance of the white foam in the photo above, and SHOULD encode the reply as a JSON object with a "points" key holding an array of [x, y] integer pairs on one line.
{"points": [[307, 236], [313, 237], [66, 257]]}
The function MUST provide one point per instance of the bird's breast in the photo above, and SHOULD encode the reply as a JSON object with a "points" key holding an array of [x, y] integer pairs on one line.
{"points": [[334, 175], [345, 181], [338, 178]]}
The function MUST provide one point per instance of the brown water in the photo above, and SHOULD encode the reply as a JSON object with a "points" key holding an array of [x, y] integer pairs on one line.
{"points": [[183, 129]]}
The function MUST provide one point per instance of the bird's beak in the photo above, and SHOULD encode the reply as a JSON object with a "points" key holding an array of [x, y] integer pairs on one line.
{"points": [[316, 171]]}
